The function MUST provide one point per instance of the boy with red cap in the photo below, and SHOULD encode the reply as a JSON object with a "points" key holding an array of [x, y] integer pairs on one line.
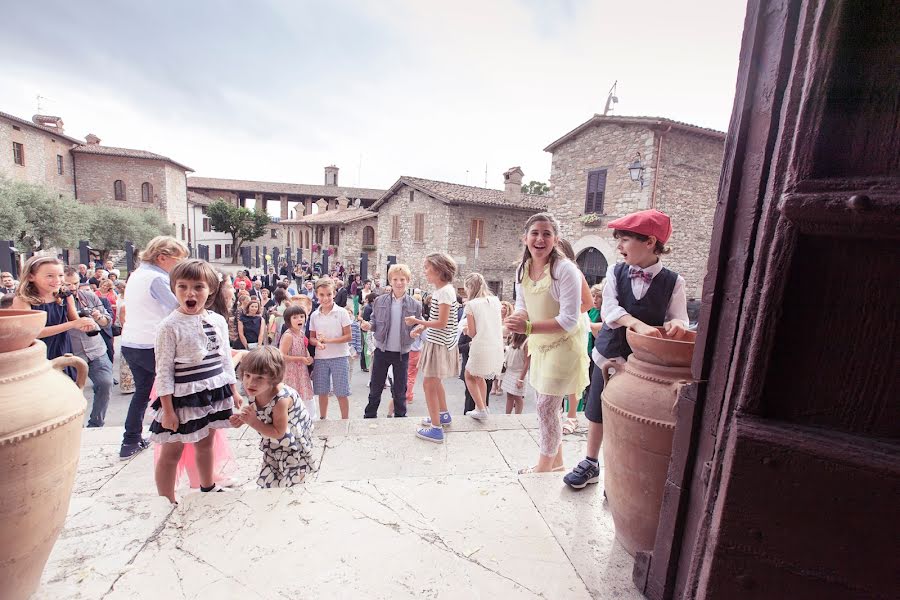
{"points": [[639, 294]]}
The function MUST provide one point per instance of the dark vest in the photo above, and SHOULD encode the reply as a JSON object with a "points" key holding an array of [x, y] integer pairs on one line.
{"points": [[651, 309]]}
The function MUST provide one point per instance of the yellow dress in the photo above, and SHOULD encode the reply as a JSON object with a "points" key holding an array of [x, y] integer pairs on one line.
{"points": [[559, 365]]}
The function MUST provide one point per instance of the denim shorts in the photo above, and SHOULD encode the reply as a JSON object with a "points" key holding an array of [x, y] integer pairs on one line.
{"points": [[331, 374]]}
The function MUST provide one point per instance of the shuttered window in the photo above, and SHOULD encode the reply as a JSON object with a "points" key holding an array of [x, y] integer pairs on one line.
{"points": [[596, 188], [395, 228], [119, 189], [476, 232], [146, 192], [419, 230], [18, 153]]}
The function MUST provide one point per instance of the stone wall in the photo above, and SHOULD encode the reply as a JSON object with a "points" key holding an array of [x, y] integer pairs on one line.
{"points": [[174, 200], [689, 169], [351, 242], [447, 230], [41, 149], [96, 175]]}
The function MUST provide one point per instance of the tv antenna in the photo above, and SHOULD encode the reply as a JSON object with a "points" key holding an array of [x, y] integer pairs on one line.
{"points": [[611, 98]]}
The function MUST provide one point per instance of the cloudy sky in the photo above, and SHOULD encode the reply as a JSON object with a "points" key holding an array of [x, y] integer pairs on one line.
{"points": [[275, 91]]}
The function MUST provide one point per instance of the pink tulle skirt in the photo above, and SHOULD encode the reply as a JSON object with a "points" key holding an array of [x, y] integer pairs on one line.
{"points": [[222, 463]]}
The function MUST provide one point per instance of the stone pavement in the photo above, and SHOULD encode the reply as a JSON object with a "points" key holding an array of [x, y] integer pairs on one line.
{"points": [[385, 516]]}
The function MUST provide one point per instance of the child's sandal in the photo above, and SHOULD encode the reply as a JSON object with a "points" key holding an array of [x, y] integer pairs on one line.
{"points": [[569, 426]]}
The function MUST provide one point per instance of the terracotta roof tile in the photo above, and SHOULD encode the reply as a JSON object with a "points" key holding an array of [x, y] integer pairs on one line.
{"points": [[333, 217], [625, 120], [97, 149], [272, 187], [20, 121], [199, 199], [455, 193]]}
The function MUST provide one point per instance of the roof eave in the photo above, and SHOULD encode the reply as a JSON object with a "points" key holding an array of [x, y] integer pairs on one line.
{"points": [[649, 122]]}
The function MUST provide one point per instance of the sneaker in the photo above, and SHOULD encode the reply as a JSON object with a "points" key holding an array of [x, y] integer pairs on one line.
{"points": [[431, 434], [446, 420], [128, 451], [584, 473], [478, 415]]}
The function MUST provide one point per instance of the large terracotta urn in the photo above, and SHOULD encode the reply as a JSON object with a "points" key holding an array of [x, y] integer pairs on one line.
{"points": [[41, 412], [638, 424]]}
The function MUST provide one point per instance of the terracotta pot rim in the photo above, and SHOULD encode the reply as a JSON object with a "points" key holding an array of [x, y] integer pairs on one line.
{"points": [[664, 339]]}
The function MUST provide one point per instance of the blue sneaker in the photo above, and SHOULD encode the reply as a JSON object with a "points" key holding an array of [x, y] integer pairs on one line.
{"points": [[431, 434], [446, 421]]}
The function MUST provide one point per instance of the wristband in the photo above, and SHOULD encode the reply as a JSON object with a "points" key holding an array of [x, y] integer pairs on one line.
{"points": [[527, 327]]}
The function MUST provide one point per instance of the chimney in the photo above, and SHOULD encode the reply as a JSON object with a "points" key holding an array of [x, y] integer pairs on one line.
{"points": [[512, 180], [92, 140], [331, 175], [49, 122]]}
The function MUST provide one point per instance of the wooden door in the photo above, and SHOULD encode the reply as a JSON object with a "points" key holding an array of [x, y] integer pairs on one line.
{"points": [[785, 477]]}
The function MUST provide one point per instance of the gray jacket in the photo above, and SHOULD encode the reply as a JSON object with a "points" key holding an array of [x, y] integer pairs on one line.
{"points": [[381, 320], [84, 346]]}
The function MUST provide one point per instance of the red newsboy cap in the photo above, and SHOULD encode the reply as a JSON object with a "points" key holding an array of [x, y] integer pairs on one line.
{"points": [[646, 222]]}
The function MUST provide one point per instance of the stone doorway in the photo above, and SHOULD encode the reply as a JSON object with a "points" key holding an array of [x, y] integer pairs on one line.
{"points": [[593, 264]]}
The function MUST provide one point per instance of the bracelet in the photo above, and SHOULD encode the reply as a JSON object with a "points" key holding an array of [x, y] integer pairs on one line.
{"points": [[527, 327]]}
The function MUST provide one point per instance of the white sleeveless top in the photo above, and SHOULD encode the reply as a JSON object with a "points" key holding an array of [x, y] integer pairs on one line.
{"points": [[486, 349]]}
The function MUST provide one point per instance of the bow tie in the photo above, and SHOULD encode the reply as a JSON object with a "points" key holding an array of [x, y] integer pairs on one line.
{"points": [[634, 273]]}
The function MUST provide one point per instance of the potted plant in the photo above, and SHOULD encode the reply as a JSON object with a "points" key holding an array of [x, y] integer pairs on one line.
{"points": [[369, 248], [591, 219], [315, 247]]}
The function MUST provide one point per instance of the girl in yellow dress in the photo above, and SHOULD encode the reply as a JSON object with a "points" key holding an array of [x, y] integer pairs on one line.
{"points": [[548, 311]]}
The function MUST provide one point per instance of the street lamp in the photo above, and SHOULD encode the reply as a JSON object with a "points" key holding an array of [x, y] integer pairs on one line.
{"points": [[636, 170]]}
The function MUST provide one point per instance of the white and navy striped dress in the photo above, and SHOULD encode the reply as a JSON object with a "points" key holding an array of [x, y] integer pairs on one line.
{"points": [[193, 364]]}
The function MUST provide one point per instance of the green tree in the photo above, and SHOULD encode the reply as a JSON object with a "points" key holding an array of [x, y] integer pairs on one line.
{"points": [[36, 217], [536, 188], [108, 227], [242, 224]]}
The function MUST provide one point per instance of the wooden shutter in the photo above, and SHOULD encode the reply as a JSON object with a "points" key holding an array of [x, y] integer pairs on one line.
{"points": [[476, 232], [596, 187], [419, 234], [395, 227]]}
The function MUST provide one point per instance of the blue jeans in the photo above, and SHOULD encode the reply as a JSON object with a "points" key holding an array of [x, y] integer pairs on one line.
{"points": [[399, 362], [100, 372], [142, 362]]}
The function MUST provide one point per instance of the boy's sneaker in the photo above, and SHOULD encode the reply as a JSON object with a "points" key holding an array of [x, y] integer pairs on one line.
{"points": [[584, 473], [478, 415], [431, 434], [445, 420], [128, 451]]}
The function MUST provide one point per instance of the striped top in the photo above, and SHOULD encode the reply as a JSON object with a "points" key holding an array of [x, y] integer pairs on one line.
{"points": [[192, 354], [445, 336]]}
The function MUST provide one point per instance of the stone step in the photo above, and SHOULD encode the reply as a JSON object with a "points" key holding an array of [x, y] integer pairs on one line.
{"points": [[385, 516]]}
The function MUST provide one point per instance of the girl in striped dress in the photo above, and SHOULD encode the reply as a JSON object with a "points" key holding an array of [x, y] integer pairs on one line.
{"points": [[195, 377]]}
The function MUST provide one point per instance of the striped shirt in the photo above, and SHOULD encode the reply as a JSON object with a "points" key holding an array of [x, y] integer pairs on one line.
{"points": [[445, 336], [192, 354], [210, 366]]}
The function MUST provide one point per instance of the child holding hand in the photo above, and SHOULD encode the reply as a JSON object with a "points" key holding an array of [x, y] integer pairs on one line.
{"points": [[279, 415]]}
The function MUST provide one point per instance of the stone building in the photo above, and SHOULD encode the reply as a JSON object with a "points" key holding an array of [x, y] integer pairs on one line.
{"points": [[674, 167], [346, 229], [480, 228], [295, 201], [37, 151], [134, 179]]}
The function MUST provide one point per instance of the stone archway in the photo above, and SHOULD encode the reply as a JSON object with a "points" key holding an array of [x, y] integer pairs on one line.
{"points": [[593, 264], [603, 254]]}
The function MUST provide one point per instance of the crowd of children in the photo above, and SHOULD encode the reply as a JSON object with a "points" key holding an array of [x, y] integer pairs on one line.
{"points": [[297, 350]]}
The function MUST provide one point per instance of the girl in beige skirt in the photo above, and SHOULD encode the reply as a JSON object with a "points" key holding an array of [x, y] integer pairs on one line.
{"points": [[440, 354]]}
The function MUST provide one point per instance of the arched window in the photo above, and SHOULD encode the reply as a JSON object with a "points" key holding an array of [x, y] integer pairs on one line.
{"points": [[146, 192], [368, 236], [119, 190]]}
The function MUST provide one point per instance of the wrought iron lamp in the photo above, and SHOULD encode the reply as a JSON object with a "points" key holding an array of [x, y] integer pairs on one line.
{"points": [[636, 170]]}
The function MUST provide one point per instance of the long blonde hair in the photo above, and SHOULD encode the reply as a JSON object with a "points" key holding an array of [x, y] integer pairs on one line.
{"points": [[27, 290], [476, 287], [555, 253]]}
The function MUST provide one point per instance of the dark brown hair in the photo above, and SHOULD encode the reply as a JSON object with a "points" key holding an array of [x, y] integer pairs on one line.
{"points": [[264, 360], [292, 311], [555, 254], [196, 270], [658, 249]]}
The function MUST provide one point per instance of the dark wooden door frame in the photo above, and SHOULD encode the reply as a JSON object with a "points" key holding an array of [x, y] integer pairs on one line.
{"points": [[767, 196]]}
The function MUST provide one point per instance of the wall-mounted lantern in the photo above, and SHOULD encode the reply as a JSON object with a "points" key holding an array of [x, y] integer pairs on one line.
{"points": [[636, 170]]}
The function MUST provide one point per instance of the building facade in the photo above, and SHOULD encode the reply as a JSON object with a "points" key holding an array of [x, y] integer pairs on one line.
{"points": [[480, 228], [608, 167], [39, 152]]}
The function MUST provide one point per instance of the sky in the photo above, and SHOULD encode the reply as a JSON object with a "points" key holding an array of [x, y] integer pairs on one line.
{"points": [[276, 90]]}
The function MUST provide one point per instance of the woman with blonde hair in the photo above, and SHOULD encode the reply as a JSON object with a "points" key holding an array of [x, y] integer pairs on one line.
{"points": [[150, 300], [484, 326]]}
